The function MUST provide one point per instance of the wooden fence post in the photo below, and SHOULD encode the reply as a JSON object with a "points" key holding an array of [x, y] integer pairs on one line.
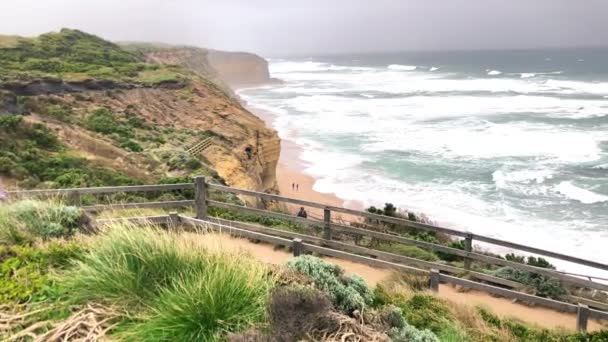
{"points": [[75, 199], [468, 246], [297, 247], [434, 280], [327, 224], [582, 316], [173, 220], [200, 197]]}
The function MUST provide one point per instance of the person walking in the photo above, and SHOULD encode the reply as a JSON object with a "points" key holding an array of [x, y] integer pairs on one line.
{"points": [[297, 187], [293, 186]]}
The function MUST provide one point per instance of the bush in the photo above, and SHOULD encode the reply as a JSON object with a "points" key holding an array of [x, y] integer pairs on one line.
{"points": [[408, 251], [295, 311], [102, 120], [543, 285], [24, 270], [409, 333], [457, 244], [131, 145], [348, 293], [25, 221]]}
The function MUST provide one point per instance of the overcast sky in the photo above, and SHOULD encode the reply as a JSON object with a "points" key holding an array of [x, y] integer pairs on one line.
{"points": [[312, 27]]}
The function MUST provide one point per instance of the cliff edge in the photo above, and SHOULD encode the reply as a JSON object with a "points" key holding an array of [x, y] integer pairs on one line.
{"points": [[76, 110]]}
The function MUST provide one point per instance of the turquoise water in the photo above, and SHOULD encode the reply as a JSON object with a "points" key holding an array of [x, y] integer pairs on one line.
{"points": [[512, 144]]}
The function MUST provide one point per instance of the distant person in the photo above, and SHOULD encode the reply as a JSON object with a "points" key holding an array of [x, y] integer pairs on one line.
{"points": [[302, 213], [293, 186], [297, 187]]}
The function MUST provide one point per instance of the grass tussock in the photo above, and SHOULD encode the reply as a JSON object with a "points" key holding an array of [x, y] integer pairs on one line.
{"points": [[180, 288]]}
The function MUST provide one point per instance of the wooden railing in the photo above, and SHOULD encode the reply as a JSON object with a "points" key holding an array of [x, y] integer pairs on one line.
{"points": [[328, 245], [200, 147]]}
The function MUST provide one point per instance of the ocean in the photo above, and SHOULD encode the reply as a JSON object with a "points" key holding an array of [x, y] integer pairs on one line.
{"points": [[511, 144]]}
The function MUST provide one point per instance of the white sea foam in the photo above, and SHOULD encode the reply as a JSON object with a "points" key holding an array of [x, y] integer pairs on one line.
{"points": [[585, 196], [433, 69], [503, 178], [437, 118], [494, 72], [527, 74], [401, 67]]}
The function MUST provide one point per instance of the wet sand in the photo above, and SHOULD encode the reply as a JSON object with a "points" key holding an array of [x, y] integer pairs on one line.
{"points": [[290, 170], [503, 307]]}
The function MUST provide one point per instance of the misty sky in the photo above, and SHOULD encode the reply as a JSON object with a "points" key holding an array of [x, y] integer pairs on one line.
{"points": [[313, 27]]}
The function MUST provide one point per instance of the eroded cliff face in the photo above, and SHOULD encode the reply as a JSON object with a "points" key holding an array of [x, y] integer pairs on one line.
{"points": [[240, 69], [244, 152], [136, 110], [258, 150]]}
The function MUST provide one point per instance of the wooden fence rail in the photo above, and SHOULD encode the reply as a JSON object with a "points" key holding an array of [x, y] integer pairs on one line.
{"points": [[300, 246], [202, 201]]}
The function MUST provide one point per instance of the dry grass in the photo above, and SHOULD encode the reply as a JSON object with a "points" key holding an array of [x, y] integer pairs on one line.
{"points": [[89, 324]]}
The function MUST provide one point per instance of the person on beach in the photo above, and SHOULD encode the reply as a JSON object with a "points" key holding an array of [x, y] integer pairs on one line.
{"points": [[297, 187], [293, 186], [302, 213]]}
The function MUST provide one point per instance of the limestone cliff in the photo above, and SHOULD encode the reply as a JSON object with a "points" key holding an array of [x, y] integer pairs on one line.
{"points": [[94, 105], [229, 70]]}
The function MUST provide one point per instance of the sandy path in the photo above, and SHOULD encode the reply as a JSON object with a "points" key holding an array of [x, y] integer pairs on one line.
{"points": [[503, 307]]}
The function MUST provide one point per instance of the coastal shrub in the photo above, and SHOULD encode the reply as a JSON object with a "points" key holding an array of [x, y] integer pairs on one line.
{"points": [[408, 251], [62, 113], [348, 293], [457, 244], [132, 146], [409, 333], [28, 220], [102, 120], [532, 261], [295, 311], [524, 332], [426, 311], [33, 154], [271, 222], [543, 286], [24, 270]]}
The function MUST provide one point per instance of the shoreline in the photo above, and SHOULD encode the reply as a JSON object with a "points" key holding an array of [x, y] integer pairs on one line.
{"points": [[291, 170]]}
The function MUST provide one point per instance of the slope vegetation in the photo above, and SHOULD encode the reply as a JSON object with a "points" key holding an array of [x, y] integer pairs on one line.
{"points": [[111, 109]]}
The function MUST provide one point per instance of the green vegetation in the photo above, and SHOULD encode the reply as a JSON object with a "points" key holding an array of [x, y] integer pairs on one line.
{"points": [[275, 223], [186, 292], [26, 221], [24, 270], [148, 284], [348, 293], [542, 286], [75, 55], [32, 153]]}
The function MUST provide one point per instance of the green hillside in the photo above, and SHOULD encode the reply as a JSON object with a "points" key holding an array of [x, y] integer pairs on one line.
{"points": [[73, 55]]}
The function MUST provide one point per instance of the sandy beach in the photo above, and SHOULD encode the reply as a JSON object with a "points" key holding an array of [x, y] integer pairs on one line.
{"points": [[290, 171]]}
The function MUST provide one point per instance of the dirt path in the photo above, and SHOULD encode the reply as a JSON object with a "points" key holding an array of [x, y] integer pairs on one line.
{"points": [[503, 307]]}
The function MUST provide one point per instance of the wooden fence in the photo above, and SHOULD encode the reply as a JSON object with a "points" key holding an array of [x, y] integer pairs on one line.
{"points": [[328, 245]]}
